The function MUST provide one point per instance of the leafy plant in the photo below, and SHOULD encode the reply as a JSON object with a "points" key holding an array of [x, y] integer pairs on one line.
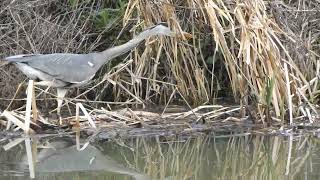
{"points": [[74, 3], [269, 90], [106, 17], [268, 96]]}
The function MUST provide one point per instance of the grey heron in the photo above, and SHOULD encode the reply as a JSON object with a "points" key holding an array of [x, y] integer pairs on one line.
{"points": [[66, 70]]}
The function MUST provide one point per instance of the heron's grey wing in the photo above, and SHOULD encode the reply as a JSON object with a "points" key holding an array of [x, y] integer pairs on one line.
{"points": [[71, 68]]}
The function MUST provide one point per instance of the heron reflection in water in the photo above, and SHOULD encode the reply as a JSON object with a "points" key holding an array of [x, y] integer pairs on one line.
{"points": [[62, 156]]}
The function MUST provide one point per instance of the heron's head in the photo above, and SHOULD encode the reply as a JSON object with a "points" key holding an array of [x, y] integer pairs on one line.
{"points": [[162, 30]]}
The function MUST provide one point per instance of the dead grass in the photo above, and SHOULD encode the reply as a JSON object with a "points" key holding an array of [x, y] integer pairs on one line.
{"points": [[260, 63]]}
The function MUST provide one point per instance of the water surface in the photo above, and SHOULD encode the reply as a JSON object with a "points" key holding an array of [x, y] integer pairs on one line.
{"points": [[203, 157]]}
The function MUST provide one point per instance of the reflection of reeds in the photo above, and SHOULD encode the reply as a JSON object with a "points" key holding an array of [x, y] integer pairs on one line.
{"points": [[235, 157], [244, 157]]}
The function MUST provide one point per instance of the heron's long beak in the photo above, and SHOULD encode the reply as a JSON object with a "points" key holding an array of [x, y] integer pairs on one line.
{"points": [[185, 36]]}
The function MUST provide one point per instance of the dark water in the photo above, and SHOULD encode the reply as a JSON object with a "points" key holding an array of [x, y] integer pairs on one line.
{"points": [[204, 157]]}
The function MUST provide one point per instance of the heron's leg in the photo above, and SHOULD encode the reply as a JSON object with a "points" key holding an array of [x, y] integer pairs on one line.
{"points": [[61, 92]]}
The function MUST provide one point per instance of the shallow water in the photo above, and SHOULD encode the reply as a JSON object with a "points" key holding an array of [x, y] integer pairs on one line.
{"points": [[203, 157]]}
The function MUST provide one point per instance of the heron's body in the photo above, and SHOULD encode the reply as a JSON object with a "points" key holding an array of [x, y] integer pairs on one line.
{"points": [[43, 67], [65, 70]]}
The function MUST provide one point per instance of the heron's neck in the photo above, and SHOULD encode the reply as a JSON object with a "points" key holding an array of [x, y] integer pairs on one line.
{"points": [[121, 49]]}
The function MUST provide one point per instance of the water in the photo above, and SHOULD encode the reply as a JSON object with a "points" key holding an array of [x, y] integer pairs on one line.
{"points": [[202, 157]]}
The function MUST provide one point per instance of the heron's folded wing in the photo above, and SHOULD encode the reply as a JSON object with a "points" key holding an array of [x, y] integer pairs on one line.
{"points": [[71, 68]]}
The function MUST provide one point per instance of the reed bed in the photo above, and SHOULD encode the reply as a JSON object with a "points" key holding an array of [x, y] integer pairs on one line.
{"points": [[262, 54]]}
